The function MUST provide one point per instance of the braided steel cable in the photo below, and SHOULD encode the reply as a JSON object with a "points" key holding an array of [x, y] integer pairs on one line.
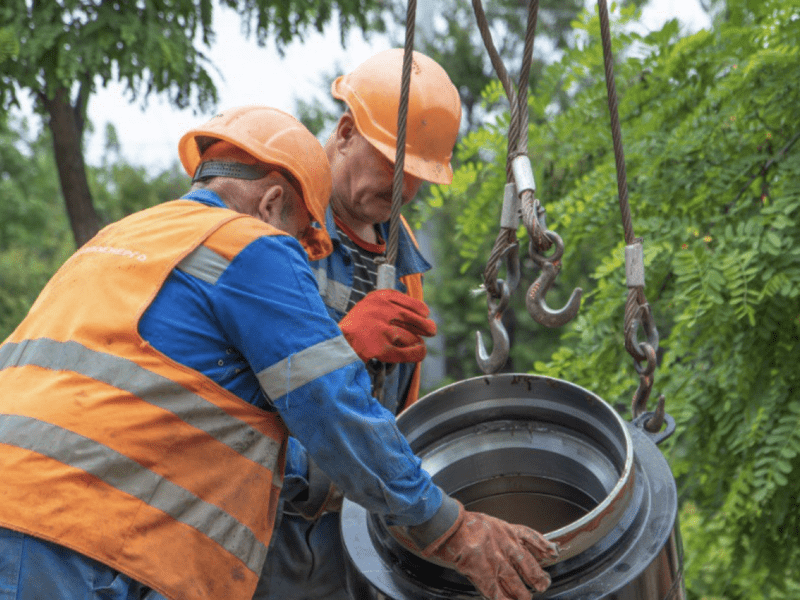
{"points": [[524, 78], [506, 239], [494, 55], [402, 119], [616, 131], [637, 310], [386, 273], [530, 206], [517, 137]]}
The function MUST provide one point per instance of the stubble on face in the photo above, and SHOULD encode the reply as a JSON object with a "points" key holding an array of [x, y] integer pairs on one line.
{"points": [[363, 188]]}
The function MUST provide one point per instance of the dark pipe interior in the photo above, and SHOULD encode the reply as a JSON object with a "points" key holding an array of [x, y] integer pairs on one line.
{"points": [[523, 502]]}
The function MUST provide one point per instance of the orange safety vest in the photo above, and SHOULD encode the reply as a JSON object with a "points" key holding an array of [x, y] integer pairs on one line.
{"points": [[111, 448]]}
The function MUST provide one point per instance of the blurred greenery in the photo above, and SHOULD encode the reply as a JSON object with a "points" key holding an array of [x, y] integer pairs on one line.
{"points": [[35, 235], [60, 53]]}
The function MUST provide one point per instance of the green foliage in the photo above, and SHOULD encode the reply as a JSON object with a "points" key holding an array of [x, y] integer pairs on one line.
{"points": [[60, 52], [321, 113], [9, 46], [35, 236], [710, 131], [282, 21], [28, 188], [150, 46], [120, 188], [454, 41], [481, 153]]}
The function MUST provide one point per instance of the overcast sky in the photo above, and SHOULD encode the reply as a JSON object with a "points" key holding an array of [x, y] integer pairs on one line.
{"points": [[253, 75]]}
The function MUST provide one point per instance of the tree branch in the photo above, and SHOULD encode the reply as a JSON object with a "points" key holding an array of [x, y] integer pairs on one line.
{"points": [[765, 168]]}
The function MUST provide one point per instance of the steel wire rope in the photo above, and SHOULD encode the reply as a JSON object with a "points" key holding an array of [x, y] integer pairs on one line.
{"points": [[378, 369], [637, 310], [517, 136], [505, 245], [519, 201], [402, 120]]}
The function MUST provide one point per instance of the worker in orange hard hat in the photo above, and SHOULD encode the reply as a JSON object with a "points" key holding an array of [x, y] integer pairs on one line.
{"points": [[230, 142], [139, 366], [149, 394], [306, 556]]}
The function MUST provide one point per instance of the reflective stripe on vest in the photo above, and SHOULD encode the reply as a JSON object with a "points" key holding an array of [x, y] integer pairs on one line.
{"points": [[132, 478], [150, 387], [112, 449], [293, 371], [205, 264], [336, 295]]}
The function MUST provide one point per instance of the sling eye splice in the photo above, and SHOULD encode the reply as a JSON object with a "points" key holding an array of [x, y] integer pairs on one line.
{"points": [[519, 171], [520, 200]]}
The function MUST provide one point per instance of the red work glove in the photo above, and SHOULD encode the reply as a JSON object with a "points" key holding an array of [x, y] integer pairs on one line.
{"points": [[387, 325], [496, 556]]}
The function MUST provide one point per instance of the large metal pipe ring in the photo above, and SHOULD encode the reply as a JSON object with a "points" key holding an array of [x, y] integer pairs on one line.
{"points": [[547, 454]]}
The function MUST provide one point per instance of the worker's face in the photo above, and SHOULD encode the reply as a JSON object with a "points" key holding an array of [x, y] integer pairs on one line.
{"points": [[362, 178], [282, 207]]}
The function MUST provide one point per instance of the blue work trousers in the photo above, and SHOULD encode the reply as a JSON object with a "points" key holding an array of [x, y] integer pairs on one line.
{"points": [[33, 569]]}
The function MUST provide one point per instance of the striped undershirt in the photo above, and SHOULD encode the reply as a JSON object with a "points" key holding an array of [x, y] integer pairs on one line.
{"points": [[365, 270]]}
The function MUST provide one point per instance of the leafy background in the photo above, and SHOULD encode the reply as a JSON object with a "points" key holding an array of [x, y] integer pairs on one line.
{"points": [[709, 125], [710, 128]]}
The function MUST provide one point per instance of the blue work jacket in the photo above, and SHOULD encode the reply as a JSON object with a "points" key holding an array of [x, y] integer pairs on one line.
{"points": [[305, 559]]}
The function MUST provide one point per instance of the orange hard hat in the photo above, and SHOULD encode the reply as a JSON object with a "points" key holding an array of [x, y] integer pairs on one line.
{"points": [[372, 91], [275, 138]]}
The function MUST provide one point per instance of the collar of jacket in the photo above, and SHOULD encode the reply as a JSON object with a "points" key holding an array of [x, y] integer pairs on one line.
{"points": [[206, 197], [409, 259]]}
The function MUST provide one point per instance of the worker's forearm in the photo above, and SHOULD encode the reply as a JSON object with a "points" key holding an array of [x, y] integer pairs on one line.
{"points": [[355, 441]]}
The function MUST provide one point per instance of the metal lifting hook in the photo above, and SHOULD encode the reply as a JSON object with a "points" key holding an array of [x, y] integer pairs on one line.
{"points": [[501, 345], [535, 302]]}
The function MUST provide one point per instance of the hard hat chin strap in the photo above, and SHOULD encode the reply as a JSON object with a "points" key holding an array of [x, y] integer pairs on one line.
{"points": [[236, 170]]}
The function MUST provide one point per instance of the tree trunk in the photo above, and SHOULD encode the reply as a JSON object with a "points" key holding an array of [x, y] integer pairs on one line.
{"points": [[67, 129]]}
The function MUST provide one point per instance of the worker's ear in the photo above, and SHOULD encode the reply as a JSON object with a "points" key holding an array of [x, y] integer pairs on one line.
{"points": [[270, 205], [345, 132]]}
